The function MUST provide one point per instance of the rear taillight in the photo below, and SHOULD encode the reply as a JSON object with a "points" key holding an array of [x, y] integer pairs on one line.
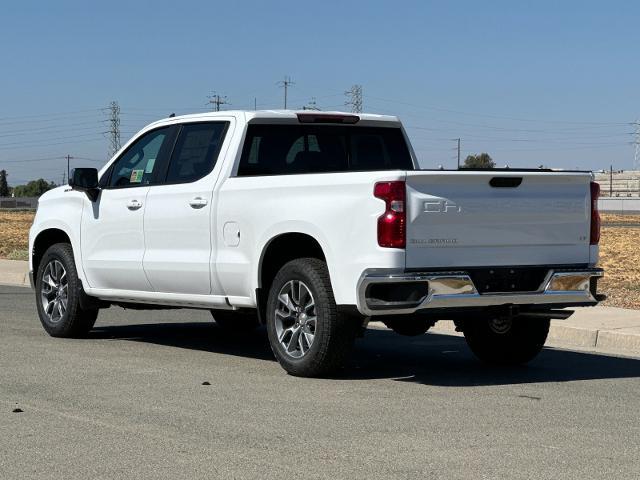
{"points": [[595, 214], [391, 225]]}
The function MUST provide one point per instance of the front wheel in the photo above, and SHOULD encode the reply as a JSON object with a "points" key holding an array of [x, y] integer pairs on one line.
{"points": [[506, 340], [58, 291], [307, 335]]}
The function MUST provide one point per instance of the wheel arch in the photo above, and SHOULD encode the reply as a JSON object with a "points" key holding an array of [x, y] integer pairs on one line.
{"points": [[43, 240], [283, 248]]}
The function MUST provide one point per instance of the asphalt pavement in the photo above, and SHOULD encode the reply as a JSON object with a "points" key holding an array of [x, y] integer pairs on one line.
{"points": [[167, 394]]}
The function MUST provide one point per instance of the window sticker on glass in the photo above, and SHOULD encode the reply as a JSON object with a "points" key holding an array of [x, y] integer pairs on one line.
{"points": [[136, 176], [150, 163]]}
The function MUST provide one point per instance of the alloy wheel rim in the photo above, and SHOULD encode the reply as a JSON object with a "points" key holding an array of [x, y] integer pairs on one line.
{"points": [[295, 318], [54, 290]]}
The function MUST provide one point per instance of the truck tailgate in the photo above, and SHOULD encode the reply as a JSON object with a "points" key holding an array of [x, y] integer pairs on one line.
{"points": [[497, 218]]}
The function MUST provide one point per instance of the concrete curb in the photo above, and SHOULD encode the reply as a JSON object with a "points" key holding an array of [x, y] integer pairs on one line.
{"points": [[596, 328], [14, 272], [605, 329]]}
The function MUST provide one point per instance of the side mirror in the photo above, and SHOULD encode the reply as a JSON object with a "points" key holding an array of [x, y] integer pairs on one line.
{"points": [[85, 180]]}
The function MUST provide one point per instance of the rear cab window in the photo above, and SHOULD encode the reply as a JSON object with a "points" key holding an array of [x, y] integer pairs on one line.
{"points": [[299, 149]]}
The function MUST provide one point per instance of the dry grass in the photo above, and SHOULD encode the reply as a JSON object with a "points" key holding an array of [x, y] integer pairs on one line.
{"points": [[619, 253], [626, 219], [14, 233], [620, 258]]}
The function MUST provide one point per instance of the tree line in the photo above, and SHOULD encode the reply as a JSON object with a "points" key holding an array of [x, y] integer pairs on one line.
{"points": [[481, 160], [34, 188]]}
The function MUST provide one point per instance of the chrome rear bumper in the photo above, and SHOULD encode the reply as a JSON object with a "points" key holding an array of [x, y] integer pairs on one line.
{"points": [[456, 289]]}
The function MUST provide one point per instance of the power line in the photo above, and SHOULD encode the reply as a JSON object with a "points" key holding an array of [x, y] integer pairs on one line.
{"points": [[52, 114], [42, 145], [354, 96], [35, 143], [44, 159], [217, 100], [49, 130], [286, 83], [459, 112]]}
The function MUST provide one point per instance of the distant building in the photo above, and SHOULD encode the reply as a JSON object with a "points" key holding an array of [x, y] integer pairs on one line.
{"points": [[624, 183]]}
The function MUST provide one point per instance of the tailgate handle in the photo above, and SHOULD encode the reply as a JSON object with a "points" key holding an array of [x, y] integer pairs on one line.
{"points": [[505, 182]]}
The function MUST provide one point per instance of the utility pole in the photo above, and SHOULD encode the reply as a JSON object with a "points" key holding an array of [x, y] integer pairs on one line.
{"points": [[69, 158], [458, 148], [610, 180], [636, 154], [286, 83], [354, 100], [217, 100], [255, 103], [113, 121]]}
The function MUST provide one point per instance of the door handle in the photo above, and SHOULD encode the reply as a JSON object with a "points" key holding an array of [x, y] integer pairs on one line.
{"points": [[133, 205], [198, 202]]}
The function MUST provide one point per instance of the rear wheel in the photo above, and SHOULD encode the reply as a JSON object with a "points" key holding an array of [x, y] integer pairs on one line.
{"points": [[307, 335], [236, 321], [505, 340], [58, 291]]}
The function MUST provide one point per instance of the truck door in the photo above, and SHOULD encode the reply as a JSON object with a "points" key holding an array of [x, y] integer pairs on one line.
{"points": [[112, 234], [179, 215]]}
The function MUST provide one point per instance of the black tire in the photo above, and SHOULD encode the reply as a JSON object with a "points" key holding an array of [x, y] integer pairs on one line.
{"points": [[513, 344], [409, 326], [334, 334], [75, 322], [236, 321]]}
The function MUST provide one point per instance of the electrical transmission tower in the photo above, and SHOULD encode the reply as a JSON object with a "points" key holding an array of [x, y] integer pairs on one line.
{"points": [[113, 111], [216, 100], [286, 83], [636, 142], [312, 105], [354, 96]]}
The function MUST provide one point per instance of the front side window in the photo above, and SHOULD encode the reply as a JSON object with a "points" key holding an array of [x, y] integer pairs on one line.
{"points": [[196, 151], [139, 163]]}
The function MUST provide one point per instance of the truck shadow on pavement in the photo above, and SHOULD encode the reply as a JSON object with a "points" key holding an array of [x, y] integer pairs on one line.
{"points": [[431, 359]]}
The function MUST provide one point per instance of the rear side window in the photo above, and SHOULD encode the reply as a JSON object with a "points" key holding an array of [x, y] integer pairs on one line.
{"points": [[291, 149], [196, 151]]}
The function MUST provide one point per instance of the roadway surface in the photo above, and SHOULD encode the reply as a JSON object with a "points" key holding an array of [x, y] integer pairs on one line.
{"points": [[130, 402]]}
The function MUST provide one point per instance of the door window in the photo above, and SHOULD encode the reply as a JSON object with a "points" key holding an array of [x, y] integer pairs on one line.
{"points": [[196, 151], [138, 165]]}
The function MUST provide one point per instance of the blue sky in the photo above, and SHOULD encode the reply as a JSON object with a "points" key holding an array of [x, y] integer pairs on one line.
{"points": [[553, 83]]}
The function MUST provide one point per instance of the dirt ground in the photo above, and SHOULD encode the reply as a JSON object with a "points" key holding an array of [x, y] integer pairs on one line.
{"points": [[14, 234], [620, 258], [619, 253]]}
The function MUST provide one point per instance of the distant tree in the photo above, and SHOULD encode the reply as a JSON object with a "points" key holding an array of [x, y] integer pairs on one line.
{"points": [[4, 187], [34, 188], [482, 160]]}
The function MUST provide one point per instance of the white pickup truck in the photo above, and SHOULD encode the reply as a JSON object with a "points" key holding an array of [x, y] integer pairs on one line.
{"points": [[314, 224]]}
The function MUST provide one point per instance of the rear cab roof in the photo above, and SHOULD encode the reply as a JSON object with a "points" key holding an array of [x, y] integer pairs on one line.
{"points": [[275, 117]]}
